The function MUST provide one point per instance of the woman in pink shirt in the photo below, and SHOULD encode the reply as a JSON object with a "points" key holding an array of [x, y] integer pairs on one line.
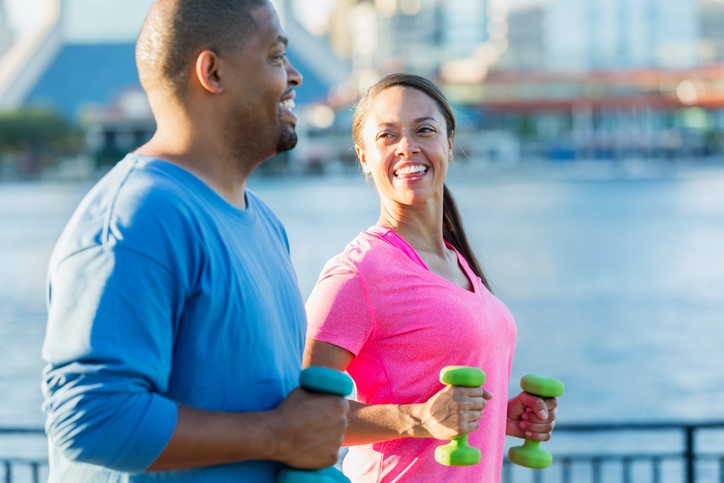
{"points": [[406, 298]]}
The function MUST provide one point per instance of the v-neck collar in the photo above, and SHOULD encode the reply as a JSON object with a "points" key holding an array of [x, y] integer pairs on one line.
{"points": [[389, 236]]}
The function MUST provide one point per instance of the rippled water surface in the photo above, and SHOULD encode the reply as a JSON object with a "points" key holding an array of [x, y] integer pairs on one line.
{"points": [[617, 285]]}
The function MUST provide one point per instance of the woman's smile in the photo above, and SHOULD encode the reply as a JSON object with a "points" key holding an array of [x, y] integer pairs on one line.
{"points": [[411, 171]]}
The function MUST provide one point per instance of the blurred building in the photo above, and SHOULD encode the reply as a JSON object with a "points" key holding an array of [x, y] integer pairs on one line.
{"points": [[621, 34], [458, 39], [711, 31], [6, 33], [82, 56], [594, 35], [80, 62], [452, 38], [526, 39]]}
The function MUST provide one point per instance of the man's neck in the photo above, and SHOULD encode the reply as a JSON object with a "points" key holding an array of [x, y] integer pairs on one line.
{"points": [[204, 159]]}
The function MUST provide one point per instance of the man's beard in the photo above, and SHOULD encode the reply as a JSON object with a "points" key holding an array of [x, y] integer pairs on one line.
{"points": [[287, 139]]}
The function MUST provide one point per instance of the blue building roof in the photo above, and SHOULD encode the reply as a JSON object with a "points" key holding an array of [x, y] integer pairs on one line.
{"points": [[85, 74]]}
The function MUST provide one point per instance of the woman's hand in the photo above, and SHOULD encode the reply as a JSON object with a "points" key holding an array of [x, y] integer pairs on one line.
{"points": [[531, 417], [452, 412]]}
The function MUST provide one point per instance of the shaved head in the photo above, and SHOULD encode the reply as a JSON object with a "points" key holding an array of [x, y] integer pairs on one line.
{"points": [[176, 31]]}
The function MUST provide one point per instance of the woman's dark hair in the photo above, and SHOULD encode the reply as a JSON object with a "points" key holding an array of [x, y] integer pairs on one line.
{"points": [[452, 226]]}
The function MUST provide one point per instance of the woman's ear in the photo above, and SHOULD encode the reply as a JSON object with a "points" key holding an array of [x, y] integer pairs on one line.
{"points": [[207, 72], [450, 148], [362, 159]]}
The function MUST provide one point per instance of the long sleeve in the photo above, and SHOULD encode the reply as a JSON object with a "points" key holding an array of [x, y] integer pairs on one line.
{"points": [[109, 349]]}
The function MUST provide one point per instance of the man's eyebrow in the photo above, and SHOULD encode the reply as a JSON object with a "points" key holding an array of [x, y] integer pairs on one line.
{"points": [[281, 40]]}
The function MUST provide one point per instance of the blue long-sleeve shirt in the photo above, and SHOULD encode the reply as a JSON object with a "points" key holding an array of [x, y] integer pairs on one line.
{"points": [[161, 293]]}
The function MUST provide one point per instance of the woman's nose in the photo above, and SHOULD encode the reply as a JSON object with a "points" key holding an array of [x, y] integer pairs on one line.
{"points": [[407, 147]]}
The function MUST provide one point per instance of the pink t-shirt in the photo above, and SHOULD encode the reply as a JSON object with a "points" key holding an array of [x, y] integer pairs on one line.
{"points": [[404, 323]]}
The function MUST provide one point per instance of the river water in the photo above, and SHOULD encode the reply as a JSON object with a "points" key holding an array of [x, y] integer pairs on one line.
{"points": [[616, 282]]}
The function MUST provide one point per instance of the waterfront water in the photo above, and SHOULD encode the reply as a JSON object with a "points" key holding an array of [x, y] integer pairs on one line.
{"points": [[616, 284]]}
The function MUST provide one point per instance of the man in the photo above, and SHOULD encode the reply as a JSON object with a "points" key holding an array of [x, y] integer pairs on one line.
{"points": [[176, 326]]}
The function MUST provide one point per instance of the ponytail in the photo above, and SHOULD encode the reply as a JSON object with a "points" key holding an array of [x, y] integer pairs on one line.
{"points": [[454, 233]]}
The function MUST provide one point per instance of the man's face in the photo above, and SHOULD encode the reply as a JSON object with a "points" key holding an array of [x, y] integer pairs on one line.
{"points": [[262, 89]]}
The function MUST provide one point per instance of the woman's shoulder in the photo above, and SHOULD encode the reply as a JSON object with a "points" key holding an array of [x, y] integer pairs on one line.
{"points": [[366, 250], [364, 255]]}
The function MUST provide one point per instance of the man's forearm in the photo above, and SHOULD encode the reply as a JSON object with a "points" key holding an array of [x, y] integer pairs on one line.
{"points": [[207, 438]]}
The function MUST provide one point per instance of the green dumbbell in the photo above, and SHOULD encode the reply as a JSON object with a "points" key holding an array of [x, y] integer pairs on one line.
{"points": [[458, 452], [321, 380], [530, 454]]}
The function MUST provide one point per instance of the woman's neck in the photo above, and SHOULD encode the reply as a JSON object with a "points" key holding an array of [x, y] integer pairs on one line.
{"points": [[421, 230]]}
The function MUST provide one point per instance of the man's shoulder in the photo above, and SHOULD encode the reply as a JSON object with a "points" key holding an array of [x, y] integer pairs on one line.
{"points": [[135, 200], [142, 186]]}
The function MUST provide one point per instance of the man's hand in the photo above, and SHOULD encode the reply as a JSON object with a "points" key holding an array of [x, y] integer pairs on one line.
{"points": [[310, 429]]}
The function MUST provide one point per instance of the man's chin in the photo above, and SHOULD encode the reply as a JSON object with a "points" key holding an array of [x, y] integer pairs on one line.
{"points": [[287, 140]]}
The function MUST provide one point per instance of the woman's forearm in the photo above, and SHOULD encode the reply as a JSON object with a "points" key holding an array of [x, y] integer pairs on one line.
{"points": [[384, 422]]}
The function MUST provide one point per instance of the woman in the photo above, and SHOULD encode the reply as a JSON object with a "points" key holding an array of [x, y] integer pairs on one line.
{"points": [[406, 298]]}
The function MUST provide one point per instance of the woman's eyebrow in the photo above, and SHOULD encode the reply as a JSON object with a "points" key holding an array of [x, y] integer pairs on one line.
{"points": [[426, 118], [416, 121]]}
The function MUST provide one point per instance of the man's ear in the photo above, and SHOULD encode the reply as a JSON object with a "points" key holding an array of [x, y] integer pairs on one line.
{"points": [[207, 71]]}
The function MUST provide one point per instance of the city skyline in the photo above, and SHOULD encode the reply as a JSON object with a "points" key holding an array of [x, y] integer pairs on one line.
{"points": [[23, 14]]}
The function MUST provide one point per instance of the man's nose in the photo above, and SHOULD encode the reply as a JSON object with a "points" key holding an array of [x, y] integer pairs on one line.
{"points": [[294, 77]]}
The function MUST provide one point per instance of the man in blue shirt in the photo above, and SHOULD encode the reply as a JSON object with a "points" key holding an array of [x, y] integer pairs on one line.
{"points": [[175, 322]]}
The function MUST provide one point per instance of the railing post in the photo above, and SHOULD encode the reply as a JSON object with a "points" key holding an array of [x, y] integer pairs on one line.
{"points": [[689, 458], [656, 469]]}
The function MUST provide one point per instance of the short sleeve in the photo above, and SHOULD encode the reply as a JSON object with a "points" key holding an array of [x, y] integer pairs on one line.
{"points": [[339, 310]]}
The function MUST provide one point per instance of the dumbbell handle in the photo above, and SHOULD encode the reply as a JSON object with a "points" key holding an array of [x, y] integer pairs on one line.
{"points": [[458, 452], [321, 380], [530, 454]]}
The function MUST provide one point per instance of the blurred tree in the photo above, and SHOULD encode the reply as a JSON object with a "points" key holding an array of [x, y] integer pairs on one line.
{"points": [[525, 127], [31, 138]]}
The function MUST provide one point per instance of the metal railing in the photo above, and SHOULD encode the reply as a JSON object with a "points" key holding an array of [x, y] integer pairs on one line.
{"points": [[22, 469], [690, 458], [694, 459]]}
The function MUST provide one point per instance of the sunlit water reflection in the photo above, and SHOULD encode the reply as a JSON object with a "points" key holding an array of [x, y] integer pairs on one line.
{"points": [[617, 285]]}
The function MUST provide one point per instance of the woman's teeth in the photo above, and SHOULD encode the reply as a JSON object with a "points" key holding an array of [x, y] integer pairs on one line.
{"points": [[410, 170]]}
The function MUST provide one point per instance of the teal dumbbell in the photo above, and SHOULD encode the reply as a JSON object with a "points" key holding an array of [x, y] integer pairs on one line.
{"points": [[458, 452], [321, 380], [530, 454]]}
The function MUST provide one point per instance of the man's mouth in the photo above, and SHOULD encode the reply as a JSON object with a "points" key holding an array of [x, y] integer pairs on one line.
{"points": [[286, 108], [287, 104], [410, 170]]}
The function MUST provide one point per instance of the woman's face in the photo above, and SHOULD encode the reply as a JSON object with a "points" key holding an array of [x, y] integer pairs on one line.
{"points": [[405, 146]]}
